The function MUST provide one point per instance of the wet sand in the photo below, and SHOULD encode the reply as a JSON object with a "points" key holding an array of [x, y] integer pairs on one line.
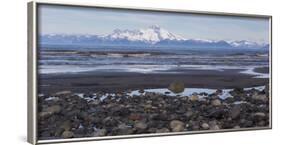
{"points": [[262, 70], [120, 81]]}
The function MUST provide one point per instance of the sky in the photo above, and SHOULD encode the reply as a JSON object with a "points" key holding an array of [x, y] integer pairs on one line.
{"points": [[54, 19]]}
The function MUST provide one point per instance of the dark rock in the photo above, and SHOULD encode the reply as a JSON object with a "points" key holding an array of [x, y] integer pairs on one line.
{"points": [[235, 112], [95, 102], [67, 134], [66, 125], [229, 100], [260, 97], [121, 114], [261, 123], [45, 134], [109, 122], [59, 131], [189, 114], [266, 90], [80, 132], [135, 117], [218, 91], [246, 123], [141, 91], [177, 126], [161, 116], [54, 109], [236, 127], [218, 113], [213, 125], [140, 125], [238, 90], [259, 116], [167, 92], [50, 111], [99, 132], [44, 114], [162, 130]]}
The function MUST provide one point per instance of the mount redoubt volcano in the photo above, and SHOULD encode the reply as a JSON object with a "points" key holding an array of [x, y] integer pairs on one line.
{"points": [[153, 36]]}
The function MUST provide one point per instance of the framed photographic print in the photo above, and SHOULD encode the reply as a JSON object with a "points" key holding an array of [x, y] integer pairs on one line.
{"points": [[108, 72]]}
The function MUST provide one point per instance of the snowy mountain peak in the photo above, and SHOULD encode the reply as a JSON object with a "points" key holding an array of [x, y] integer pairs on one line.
{"points": [[155, 27], [152, 34], [246, 44]]}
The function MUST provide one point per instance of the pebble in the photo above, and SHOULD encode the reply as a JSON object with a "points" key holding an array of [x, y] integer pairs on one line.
{"points": [[135, 117], [66, 125], [177, 125], [215, 127], [205, 126], [140, 125], [235, 112], [67, 134], [194, 98], [236, 127], [216, 102], [100, 132], [189, 114], [260, 114], [53, 109], [260, 97], [162, 130]]}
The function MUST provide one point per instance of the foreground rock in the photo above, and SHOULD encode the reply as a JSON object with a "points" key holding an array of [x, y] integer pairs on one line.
{"points": [[67, 115], [177, 125], [176, 87]]}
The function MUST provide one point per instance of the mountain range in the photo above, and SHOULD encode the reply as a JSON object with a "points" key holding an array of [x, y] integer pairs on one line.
{"points": [[151, 36]]}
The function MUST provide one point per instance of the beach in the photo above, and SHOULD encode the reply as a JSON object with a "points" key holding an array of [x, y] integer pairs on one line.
{"points": [[97, 104], [121, 81], [101, 76], [93, 92]]}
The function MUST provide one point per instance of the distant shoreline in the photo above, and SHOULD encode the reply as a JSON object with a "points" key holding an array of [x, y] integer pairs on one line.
{"points": [[94, 81]]}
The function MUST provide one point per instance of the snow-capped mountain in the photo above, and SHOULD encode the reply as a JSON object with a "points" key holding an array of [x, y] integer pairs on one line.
{"points": [[247, 44], [151, 36]]}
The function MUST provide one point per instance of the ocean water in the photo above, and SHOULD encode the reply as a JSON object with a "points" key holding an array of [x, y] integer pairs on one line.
{"points": [[77, 59], [187, 92]]}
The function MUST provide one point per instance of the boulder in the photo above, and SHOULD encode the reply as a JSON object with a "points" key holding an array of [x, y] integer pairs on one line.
{"points": [[66, 125], [140, 125], [205, 126], [67, 134], [176, 87], [216, 102], [260, 97], [54, 109], [177, 126]]}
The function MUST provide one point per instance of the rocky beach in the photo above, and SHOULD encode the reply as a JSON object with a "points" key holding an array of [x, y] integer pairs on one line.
{"points": [[110, 73], [96, 93], [67, 114]]}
